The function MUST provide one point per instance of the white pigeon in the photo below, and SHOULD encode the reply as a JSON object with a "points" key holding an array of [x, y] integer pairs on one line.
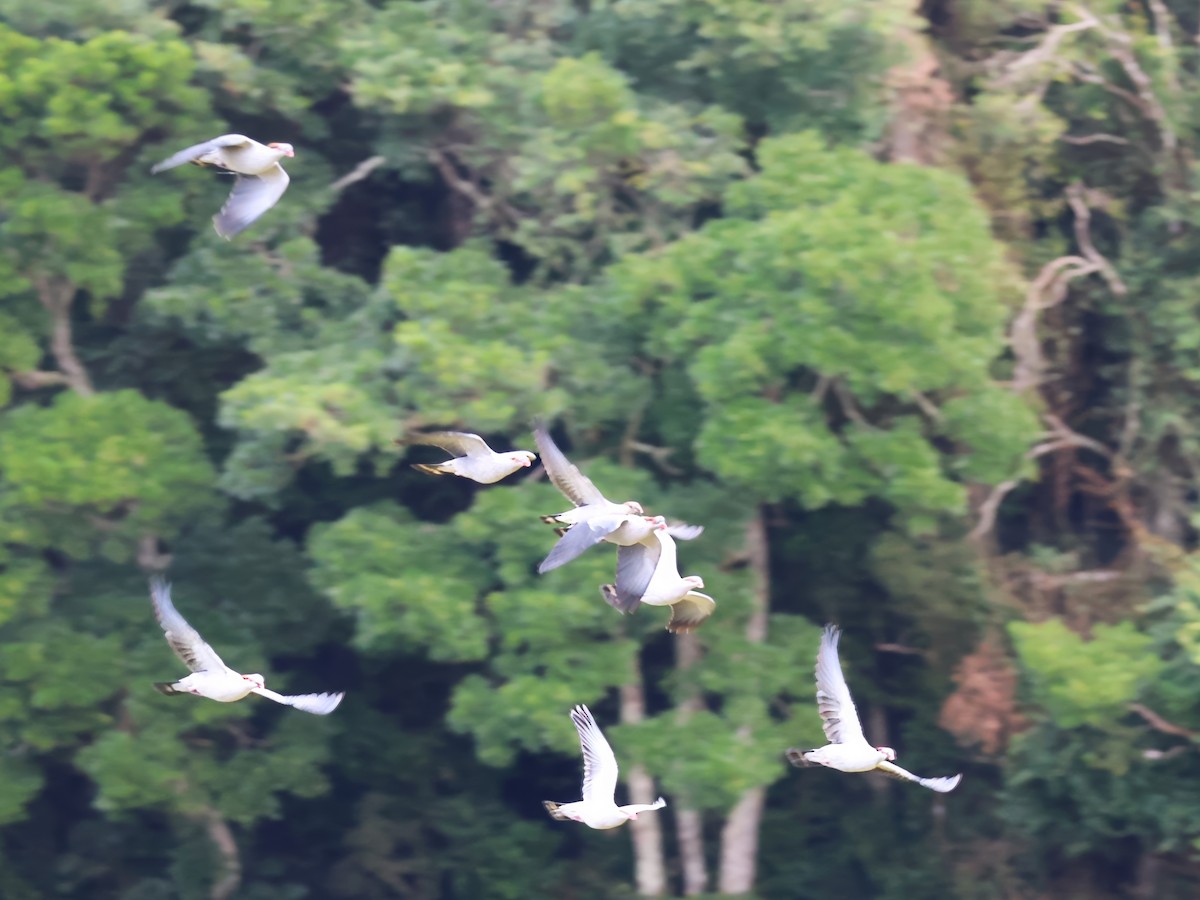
{"points": [[260, 182], [474, 459], [648, 572], [598, 808], [848, 750], [575, 486], [622, 530], [210, 677]]}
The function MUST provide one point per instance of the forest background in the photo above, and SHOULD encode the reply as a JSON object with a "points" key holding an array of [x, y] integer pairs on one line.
{"points": [[898, 299]]}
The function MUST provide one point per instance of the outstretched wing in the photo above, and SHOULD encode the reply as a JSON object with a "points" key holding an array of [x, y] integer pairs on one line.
{"points": [[839, 718], [681, 531], [317, 704], [252, 196], [599, 763], [183, 638], [457, 443], [690, 612], [196, 151], [578, 538], [573, 484], [941, 785], [635, 568]]}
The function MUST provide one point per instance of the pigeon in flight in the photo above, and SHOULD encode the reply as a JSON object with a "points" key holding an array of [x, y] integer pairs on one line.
{"points": [[260, 181], [648, 572], [848, 750], [575, 486], [598, 808], [210, 677], [473, 458], [623, 530]]}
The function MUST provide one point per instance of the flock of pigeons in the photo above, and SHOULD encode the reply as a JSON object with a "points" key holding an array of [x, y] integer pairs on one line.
{"points": [[647, 563]]}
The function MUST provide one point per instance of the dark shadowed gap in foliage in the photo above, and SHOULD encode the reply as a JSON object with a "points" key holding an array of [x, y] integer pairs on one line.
{"points": [[36, 848], [380, 212], [521, 265]]}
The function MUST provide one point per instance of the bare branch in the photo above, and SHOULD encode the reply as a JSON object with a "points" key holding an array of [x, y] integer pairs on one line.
{"points": [[358, 173], [989, 508], [39, 379], [1082, 139], [1064, 436], [926, 405], [1083, 236], [1158, 723], [448, 167], [658, 454], [56, 295], [849, 407], [1046, 50], [1048, 289]]}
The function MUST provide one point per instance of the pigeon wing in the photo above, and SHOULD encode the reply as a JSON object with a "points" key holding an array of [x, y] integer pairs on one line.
{"points": [[573, 484], [690, 612], [183, 638], [317, 704], [252, 196], [599, 763], [578, 538], [198, 150], [457, 443], [635, 567], [839, 718], [681, 531], [941, 785]]}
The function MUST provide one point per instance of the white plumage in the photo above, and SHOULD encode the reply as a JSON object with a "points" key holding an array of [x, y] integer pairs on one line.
{"points": [[210, 676], [848, 750], [598, 808]]}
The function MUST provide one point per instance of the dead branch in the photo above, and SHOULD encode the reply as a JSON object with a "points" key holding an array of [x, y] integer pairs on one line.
{"points": [[926, 405], [847, 404], [1048, 289], [989, 508], [358, 173], [1083, 218], [32, 380], [448, 167], [1158, 723], [56, 295], [1099, 138], [1046, 50], [658, 454]]}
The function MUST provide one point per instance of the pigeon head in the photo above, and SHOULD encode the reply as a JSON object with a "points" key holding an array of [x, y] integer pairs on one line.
{"points": [[695, 582], [285, 149], [635, 508], [522, 458], [888, 753], [657, 521], [255, 679]]}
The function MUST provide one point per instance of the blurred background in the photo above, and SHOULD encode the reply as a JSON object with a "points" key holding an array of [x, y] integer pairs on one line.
{"points": [[899, 299]]}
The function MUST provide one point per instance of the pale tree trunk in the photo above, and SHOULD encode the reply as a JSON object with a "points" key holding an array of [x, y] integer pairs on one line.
{"points": [[230, 876], [739, 837], [56, 295], [689, 824], [650, 868]]}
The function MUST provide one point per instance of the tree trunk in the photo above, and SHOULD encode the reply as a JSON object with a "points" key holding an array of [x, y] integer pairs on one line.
{"points": [[230, 877], [739, 837], [689, 823], [57, 296], [650, 869]]}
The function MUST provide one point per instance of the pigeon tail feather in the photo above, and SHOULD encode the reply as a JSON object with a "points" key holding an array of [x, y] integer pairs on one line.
{"points": [[436, 469], [166, 687], [796, 757], [552, 808]]}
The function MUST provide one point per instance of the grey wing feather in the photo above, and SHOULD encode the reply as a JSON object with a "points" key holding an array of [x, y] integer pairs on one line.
{"points": [[681, 531], [573, 484], [317, 704], [635, 567], [599, 763], [578, 538], [182, 637], [198, 150], [839, 718], [459, 443], [941, 785], [252, 196]]}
